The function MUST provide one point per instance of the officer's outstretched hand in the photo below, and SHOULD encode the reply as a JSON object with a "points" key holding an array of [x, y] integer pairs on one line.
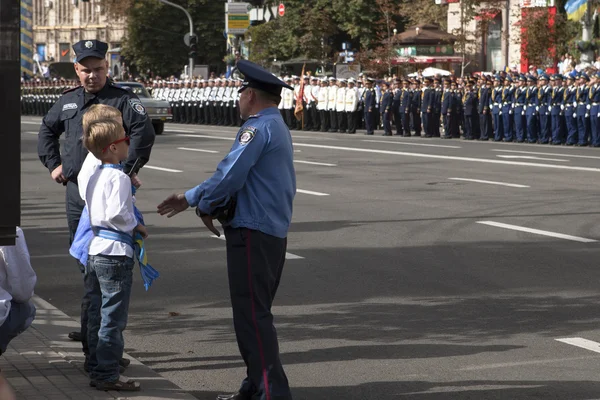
{"points": [[57, 175], [173, 205]]}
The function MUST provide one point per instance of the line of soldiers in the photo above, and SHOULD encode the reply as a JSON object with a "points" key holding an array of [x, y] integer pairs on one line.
{"points": [[38, 96], [207, 102]]}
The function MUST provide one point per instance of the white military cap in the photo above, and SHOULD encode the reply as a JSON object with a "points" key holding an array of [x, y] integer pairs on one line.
{"points": [[331, 79], [211, 80], [342, 80], [202, 81], [351, 80]]}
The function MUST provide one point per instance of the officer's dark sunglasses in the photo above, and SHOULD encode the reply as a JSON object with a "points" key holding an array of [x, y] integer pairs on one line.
{"points": [[125, 139]]}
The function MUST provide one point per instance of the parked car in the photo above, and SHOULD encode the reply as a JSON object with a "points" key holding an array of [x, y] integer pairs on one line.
{"points": [[158, 110]]}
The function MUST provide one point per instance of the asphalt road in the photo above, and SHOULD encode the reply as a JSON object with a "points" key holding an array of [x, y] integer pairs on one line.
{"points": [[394, 288]]}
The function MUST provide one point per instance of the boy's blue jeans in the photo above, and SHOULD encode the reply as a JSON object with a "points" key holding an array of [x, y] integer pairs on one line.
{"points": [[109, 280]]}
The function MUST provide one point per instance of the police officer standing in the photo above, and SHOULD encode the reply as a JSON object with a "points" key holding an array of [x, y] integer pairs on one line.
{"points": [[66, 115], [251, 194]]}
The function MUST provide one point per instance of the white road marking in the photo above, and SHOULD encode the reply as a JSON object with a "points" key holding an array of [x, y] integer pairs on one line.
{"points": [[311, 192], [198, 150], [413, 144], [583, 343], [440, 157], [32, 133], [537, 231], [532, 158], [515, 185], [179, 131], [162, 169], [31, 123], [288, 256], [315, 163], [297, 151], [547, 154], [206, 137]]}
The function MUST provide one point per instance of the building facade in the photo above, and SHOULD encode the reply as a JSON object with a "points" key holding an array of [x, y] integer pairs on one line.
{"points": [[58, 24], [493, 36]]}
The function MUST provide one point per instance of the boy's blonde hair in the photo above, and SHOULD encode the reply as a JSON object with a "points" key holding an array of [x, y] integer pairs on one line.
{"points": [[101, 111], [100, 134]]}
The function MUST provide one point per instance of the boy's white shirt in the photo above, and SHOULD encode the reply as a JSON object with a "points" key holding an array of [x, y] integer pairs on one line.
{"points": [[17, 277], [107, 193]]}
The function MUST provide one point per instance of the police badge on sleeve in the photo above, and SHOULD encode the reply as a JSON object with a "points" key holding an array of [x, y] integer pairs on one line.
{"points": [[247, 135], [137, 106]]}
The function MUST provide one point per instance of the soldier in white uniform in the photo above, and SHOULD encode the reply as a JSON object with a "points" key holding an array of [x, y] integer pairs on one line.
{"points": [[351, 105], [227, 102], [219, 101], [288, 104], [187, 102], [331, 101], [314, 113], [340, 106], [210, 104], [306, 104], [322, 105]]}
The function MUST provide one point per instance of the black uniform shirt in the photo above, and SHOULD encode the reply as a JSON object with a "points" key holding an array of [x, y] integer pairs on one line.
{"points": [[66, 115]]}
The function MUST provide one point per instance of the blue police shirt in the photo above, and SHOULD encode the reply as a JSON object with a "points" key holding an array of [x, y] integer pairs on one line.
{"points": [[259, 172]]}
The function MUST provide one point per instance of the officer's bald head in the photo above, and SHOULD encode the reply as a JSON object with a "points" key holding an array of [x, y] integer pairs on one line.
{"points": [[92, 73]]}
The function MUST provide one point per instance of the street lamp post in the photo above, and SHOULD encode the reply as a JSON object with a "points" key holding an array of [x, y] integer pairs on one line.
{"points": [[192, 35]]}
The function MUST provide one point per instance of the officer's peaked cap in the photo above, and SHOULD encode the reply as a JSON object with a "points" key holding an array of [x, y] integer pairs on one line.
{"points": [[259, 78], [89, 48]]}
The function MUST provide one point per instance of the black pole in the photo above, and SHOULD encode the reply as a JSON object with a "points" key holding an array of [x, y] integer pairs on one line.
{"points": [[10, 134]]}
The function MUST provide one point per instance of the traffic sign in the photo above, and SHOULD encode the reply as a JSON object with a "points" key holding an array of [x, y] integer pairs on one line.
{"points": [[281, 9]]}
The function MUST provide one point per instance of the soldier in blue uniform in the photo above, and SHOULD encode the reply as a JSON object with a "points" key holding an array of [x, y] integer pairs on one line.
{"points": [[496, 107], [508, 97], [370, 107], [437, 108], [386, 108], [519, 106], [531, 95], [485, 117], [594, 96], [446, 109], [416, 101], [544, 99], [570, 111], [469, 102], [427, 104], [583, 108], [405, 107], [66, 116], [396, 107], [557, 111], [252, 194]]}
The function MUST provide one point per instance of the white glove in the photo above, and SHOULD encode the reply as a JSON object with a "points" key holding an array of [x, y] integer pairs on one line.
{"points": [[509, 112], [588, 106], [562, 107], [574, 104], [574, 115], [523, 113], [587, 115], [537, 108], [500, 113], [547, 113]]}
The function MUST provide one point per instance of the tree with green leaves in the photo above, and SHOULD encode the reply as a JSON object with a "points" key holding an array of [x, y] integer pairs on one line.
{"points": [[154, 39]]}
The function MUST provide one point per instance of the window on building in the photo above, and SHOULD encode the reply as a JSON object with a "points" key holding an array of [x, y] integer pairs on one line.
{"points": [[40, 13], [494, 60]]}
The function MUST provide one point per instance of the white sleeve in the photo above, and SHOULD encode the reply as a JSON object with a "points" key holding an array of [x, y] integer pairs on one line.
{"points": [[89, 167], [119, 207], [20, 276]]}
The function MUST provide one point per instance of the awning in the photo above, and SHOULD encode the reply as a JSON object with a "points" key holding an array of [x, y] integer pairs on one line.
{"points": [[426, 60]]}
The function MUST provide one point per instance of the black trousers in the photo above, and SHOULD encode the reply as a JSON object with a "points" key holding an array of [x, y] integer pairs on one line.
{"points": [[315, 117], [341, 118], [351, 119], [333, 121], [398, 121], [306, 115], [254, 264], [74, 207]]}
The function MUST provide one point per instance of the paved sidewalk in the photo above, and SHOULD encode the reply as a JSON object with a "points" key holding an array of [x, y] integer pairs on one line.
{"points": [[43, 364]]}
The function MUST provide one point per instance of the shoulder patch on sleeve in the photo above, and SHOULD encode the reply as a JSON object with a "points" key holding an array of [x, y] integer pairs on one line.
{"points": [[246, 135], [137, 106]]}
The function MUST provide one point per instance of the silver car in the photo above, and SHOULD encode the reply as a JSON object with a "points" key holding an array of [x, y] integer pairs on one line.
{"points": [[158, 110]]}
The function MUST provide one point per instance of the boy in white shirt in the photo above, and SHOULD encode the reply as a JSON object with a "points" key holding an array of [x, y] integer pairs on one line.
{"points": [[109, 268]]}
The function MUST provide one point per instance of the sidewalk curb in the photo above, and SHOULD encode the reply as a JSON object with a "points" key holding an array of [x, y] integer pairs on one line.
{"points": [[54, 325]]}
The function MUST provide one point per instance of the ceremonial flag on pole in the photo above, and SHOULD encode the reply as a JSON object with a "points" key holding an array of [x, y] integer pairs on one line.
{"points": [[299, 107], [576, 9]]}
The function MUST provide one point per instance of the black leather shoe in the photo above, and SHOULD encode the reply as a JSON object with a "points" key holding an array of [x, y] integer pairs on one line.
{"points": [[234, 396], [75, 336]]}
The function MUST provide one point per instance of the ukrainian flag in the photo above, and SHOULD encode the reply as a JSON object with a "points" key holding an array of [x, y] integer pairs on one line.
{"points": [[575, 9]]}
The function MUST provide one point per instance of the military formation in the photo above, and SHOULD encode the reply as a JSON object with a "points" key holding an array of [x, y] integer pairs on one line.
{"points": [[546, 109]]}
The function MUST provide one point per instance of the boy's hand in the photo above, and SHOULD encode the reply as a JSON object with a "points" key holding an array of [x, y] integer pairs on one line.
{"points": [[142, 230], [173, 205]]}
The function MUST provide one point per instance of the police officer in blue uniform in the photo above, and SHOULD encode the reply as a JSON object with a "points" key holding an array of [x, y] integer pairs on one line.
{"points": [[251, 194], [557, 111], [66, 115], [427, 103], [496, 107], [531, 96], [508, 97], [405, 107], [469, 102], [570, 102], [386, 108], [594, 96], [519, 104], [485, 117], [583, 107], [544, 103]]}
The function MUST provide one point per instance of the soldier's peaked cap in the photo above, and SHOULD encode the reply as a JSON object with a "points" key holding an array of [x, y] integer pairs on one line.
{"points": [[89, 48], [259, 78]]}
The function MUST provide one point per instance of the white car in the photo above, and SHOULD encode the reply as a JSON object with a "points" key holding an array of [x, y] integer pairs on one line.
{"points": [[158, 110]]}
